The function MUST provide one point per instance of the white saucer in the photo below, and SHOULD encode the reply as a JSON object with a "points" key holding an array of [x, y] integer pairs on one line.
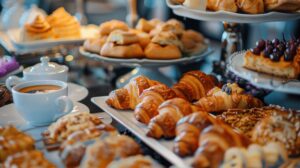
{"points": [[9, 115], [77, 92]]}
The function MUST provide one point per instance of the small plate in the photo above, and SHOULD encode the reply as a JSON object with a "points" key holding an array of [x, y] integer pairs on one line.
{"points": [[77, 92], [10, 116], [225, 16], [261, 80]]}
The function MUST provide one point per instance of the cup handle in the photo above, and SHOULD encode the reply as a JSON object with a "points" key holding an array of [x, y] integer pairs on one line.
{"points": [[65, 104], [12, 80]]}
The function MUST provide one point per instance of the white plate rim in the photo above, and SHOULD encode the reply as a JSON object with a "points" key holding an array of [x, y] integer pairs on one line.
{"points": [[266, 81]]}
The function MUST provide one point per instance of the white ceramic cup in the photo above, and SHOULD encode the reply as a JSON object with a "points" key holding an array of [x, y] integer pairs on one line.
{"points": [[42, 108]]}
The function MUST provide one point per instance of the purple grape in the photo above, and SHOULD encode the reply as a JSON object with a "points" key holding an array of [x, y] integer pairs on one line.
{"points": [[268, 42], [287, 55], [261, 44], [275, 42], [268, 50], [255, 51], [293, 49], [275, 57]]}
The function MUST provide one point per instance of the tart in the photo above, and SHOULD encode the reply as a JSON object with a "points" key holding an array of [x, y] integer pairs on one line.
{"points": [[276, 58]]}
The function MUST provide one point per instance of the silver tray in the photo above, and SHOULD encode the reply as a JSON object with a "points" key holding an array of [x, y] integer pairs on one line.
{"points": [[126, 118]]}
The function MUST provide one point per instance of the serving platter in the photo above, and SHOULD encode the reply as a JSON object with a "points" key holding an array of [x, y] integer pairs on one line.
{"points": [[16, 40], [126, 118], [225, 16], [261, 80]]}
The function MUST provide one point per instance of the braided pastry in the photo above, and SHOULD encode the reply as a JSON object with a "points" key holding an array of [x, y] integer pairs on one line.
{"points": [[128, 96], [150, 99], [170, 111], [229, 97]]}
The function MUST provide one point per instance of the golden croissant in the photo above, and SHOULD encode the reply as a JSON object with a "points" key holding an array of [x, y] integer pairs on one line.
{"points": [[220, 100], [170, 111], [128, 97], [150, 100]]}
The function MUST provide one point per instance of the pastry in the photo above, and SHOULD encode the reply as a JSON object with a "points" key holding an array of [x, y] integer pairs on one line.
{"points": [[120, 37], [196, 4], [144, 38], [39, 29], [170, 111], [283, 127], [225, 5], [28, 159], [94, 45], [188, 130], [73, 148], [282, 5], [107, 27], [156, 51], [193, 85], [277, 58], [122, 51], [5, 96], [213, 143], [144, 25], [251, 6], [219, 100], [137, 161], [173, 26], [103, 152], [128, 97], [193, 42], [270, 155], [150, 100], [63, 24], [167, 38], [68, 124], [178, 1], [245, 119], [13, 141]]}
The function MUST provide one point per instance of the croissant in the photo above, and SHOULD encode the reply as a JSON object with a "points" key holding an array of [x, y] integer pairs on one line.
{"points": [[127, 97], [102, 152], [251, 6], [170, 111], [193, 85], [226, 5], [188, 130], [213, 142], [221, 100], [150, 99]]}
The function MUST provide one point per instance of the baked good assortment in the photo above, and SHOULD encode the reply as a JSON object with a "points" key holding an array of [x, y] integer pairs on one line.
{"points": [[59, 25], [152, 39], [243, 6], [278, 58]]}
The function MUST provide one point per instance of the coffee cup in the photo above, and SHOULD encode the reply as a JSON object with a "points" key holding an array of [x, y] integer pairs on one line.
{"points": [[42, 102], [42, 71]]}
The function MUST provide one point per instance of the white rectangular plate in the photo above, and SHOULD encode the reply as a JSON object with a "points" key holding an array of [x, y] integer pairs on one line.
{"points": [[15, 37], [126, 118]]}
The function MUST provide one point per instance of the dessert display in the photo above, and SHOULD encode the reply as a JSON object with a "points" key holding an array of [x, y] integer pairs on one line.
{"points": [[59, 25], [278, 58], [151, 39], [243, 6], [13, 141], [31, 158]]}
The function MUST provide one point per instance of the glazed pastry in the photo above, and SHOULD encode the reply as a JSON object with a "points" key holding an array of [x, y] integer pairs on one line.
{"points": [[283, 127], [173, 26], [107, 27], [245, 119], [138, 161], [150, 99], [68, 124], [39, 29], [193, 85], [28, 159], [120, 37], [103, 152], [128, 97], [188, 130], [193, 42], [170, 111], [13, 141], [5, 96], [271, 155], [73, 148], [225, 5], [156, 51], [144, 25], [251, 6], [122, 51], [268, 58], [178, 1], [213, 143], [94, 45], [196, 4], [220, 100], [282, 5], [144, 38]]}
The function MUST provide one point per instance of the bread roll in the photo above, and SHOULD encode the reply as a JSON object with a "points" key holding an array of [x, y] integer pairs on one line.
{"points": [[192, 41], [144, 38], [122, 38], [156, 51], [167, 38], [107, 27], [94, 45], [144, 25], [110, 49]]}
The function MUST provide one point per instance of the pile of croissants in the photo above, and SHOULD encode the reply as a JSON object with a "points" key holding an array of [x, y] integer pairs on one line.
{"points": [[247, 6], [183, 112]]}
